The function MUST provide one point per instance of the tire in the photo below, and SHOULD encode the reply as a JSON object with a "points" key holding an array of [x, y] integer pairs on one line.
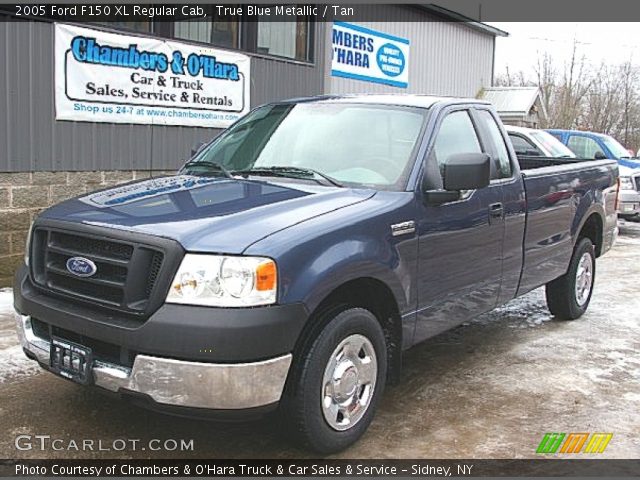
{"points": [[565, 301], [310, 409]]}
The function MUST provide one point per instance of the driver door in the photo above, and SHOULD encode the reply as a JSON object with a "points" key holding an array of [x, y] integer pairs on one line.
{"points": [[460, 242]]}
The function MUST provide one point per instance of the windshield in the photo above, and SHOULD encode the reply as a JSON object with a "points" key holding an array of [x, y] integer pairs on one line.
{"points": [[358, 144], [552, 145], [615, 148]]}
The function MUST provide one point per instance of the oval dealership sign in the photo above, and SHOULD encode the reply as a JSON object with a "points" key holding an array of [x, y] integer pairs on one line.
{"points": [[391, 60]]}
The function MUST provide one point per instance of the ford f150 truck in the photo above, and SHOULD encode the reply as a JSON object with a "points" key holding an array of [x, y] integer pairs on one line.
{"points": [[291, 261]]}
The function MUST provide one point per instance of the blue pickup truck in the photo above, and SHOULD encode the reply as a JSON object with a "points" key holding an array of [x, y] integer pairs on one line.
{"points": [[599, 146], [295, 257]]}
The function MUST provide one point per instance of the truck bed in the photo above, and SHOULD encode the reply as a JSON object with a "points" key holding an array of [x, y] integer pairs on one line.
{"points": [[532, 162], [560, 195]]}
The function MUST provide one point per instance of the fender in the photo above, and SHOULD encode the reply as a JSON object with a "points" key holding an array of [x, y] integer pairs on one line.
{"points": [[343, 262], [592, 201], [317, 256]]}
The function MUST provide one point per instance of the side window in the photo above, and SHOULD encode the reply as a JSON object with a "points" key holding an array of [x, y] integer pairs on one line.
{"points": [[497, 142], [583, 147], [557, 135], [522, 146], [456, 135]]}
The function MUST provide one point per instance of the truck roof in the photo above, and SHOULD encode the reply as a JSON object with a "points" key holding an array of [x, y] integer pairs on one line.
{"points": [[405, 100], [582, 132]]}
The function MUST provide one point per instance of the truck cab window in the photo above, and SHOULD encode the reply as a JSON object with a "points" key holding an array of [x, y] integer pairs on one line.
{"points": [[498, 148], [583, 147], [456, 135], [522, 146]]}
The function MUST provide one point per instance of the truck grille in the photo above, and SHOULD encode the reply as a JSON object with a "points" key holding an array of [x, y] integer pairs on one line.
{"points": [[126, 272]]}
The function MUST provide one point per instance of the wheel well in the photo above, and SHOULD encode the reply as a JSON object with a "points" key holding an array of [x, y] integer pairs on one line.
{"points": [[592, 229], [372, 295]]}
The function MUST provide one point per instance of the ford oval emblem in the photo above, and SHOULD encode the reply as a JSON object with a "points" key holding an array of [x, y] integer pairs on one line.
{"points": [[82, 267]]}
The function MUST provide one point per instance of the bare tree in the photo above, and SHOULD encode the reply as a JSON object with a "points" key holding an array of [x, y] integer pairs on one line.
{"points": [[603, 110], [576, 94], [630, 105], [571, 92], [546, 81]]}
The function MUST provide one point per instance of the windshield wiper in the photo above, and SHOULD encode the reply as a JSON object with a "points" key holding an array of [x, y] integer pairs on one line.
{"points": [[292, 172], [211, 166]]}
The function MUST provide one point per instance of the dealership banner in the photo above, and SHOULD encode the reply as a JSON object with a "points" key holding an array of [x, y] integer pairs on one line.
{"points": [[364, 54], [114, 78]]}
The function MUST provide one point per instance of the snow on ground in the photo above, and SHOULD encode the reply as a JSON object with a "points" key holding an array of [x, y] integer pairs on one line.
{"points": [[16, 365], [13, 362], [6, 301]]}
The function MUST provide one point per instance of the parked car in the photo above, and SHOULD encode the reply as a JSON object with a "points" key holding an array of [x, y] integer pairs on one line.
{"points": [[629, 200], [598, 145], [291, 261], [535, 142]]}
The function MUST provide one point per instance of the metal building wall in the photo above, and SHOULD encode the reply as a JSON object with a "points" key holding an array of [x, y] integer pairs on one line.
{"points": [[32, 140], [446, 58]]}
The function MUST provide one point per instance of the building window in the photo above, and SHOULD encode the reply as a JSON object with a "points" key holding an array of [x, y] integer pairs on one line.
{"points": [[285, 39], [279, 38], [220, 32], [144, 26]]}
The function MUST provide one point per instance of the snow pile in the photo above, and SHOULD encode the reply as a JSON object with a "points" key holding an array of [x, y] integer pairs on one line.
{"points": [[13, 362], [6, 301]]}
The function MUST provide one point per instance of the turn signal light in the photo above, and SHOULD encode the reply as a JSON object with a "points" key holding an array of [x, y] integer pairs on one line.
{"points": [[266, 276]]}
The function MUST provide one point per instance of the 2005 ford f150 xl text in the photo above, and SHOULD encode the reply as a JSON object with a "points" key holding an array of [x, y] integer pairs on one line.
{"points": [[290, 262]]}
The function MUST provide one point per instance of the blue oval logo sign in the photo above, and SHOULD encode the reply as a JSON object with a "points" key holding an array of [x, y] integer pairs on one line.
{"points": [[391, 60], [82, 267]]}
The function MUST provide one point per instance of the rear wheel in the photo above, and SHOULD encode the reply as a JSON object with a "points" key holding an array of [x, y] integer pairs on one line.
{"points": [[568, 297], [337, 382]]}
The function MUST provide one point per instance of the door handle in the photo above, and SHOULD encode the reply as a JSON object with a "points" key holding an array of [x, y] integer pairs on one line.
{"points": [[496, 210]]}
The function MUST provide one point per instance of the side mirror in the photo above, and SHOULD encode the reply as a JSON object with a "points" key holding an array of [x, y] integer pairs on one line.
{"points": [[467, 171], [599, 155], [464, 171]]}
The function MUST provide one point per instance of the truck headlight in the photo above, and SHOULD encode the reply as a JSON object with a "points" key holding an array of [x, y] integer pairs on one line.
{"points": [[221, 281], [625, 183]]}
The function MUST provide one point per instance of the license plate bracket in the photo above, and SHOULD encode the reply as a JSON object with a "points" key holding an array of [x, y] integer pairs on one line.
{"points": [[71, 360]]}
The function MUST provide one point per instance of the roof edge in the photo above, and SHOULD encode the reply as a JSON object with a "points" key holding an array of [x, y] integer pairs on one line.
{"points": [[458, 17]]}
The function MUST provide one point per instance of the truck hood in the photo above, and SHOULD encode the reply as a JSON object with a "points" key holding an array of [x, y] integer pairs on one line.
{"points": [[629, 164], [625, 171], [206, 214]]}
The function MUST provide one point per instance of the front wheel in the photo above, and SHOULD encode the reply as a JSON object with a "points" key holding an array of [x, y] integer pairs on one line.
{"points": [[337, 383], [568, 296]]}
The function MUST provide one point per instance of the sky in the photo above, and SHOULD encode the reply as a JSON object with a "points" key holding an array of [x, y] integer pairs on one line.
{"points": [[612, 43]]}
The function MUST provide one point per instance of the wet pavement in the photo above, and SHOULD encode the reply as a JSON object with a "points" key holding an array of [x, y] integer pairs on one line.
{"points": [[490, 388]]}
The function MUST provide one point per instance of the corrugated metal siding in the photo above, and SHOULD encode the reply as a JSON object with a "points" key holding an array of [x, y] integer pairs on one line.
{"points": [[31, 138], [446, 58]]}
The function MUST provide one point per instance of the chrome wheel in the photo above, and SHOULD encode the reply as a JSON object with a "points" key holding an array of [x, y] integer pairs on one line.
{"points": [[584, 279], [348, 382]]}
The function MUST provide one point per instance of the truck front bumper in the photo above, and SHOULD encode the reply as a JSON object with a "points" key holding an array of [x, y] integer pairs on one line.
{"points": [[629, 203], [177, 382]]}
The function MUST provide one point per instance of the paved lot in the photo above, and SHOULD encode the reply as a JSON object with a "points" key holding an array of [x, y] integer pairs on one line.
{"points": [[488, 389]]}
